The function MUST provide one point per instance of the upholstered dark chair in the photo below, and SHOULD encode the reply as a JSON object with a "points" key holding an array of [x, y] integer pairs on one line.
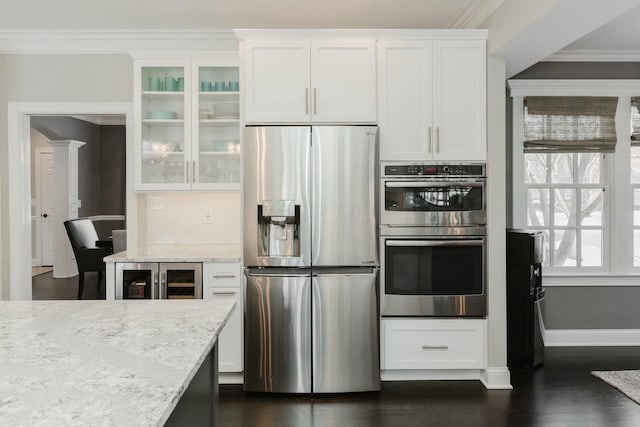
{"points": [[83, 236]]}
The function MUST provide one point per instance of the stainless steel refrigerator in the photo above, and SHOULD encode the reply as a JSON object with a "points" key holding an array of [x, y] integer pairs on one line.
{"points": [[311, 259]]}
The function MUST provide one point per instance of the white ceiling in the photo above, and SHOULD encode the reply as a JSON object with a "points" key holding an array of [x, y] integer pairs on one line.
{"points": [[229, 14], [620, 34]]}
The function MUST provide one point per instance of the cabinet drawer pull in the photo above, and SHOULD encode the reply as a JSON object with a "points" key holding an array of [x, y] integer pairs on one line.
{"points": [[435, 347], [223, 294], [224, 276]]}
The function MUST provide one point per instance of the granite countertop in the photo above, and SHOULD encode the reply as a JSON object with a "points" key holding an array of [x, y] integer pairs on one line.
{"points": [[179, 253], [107, 363]]}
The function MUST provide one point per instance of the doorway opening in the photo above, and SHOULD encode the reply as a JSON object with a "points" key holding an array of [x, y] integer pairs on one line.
{"points": [[19, 230]]}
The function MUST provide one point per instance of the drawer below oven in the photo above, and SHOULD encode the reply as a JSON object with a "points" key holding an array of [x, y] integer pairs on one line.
{"points": [[414, 344]]}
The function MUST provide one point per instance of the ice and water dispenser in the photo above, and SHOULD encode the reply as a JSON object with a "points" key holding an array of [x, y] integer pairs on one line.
{"points": [[278, 228]]}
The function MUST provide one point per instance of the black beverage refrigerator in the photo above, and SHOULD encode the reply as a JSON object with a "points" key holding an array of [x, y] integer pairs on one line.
{"points": [[525, 345]]}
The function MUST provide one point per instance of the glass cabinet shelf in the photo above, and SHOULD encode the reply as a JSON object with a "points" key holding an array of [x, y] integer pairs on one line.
{"points": [[162, 121], [219, 121]]}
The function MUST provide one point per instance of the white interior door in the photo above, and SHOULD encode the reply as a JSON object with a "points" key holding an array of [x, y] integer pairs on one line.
{"points": [[46, 187]]}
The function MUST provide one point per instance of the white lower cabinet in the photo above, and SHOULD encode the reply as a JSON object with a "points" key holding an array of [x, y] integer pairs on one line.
{"points": [[223, 281], [417, 344]]}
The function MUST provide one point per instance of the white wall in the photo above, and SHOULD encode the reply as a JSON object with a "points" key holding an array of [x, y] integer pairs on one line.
{"points": [[179, 218], [54, 78], [496, 214]]}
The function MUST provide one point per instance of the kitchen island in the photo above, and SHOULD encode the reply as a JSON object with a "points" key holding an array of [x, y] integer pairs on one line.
{"points": [[109, 363]]}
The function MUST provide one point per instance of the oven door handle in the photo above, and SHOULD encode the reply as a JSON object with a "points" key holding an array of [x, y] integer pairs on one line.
{"points": [[456, 242], [419, 184]]}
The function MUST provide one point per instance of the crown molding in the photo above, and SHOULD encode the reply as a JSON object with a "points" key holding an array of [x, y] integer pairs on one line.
{"points": [[449, 34], [567, 55], [113, 41], [578, 87], [475, 13]]}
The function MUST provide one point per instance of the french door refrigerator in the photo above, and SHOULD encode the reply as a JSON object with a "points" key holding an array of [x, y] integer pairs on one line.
{"points": [[310, 258]]}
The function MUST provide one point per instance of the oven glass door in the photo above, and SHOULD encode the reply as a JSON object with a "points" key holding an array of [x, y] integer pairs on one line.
{"points": [[434, 267], [433, 196]]}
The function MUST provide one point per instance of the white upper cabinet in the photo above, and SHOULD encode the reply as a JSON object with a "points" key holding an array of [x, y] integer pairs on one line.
{"points": [[187, 125], [432, 100], [303, 80], [277, 81]]}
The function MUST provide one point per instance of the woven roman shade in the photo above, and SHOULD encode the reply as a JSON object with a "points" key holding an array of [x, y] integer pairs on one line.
{"points": [[635, 121], [570, 124]]}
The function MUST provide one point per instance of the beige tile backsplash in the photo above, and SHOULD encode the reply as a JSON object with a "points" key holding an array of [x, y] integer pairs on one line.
{"points": [[180, 218]]}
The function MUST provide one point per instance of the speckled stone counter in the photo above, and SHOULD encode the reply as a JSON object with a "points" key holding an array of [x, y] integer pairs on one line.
{"points": [[178, 253], [101, 363]]}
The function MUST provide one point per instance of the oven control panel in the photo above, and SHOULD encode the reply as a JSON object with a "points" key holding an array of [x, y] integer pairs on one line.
{"points": [[434, 170]]}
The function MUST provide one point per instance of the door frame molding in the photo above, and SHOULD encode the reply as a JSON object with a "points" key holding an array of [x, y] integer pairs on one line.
{"points": [[38, 201], [16, 241]]}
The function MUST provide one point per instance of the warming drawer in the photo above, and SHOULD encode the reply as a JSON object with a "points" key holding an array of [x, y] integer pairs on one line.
{"points": [[433, 344]]}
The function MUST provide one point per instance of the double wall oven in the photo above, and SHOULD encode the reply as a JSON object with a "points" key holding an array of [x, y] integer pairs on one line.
{"points": [[433, 239]]}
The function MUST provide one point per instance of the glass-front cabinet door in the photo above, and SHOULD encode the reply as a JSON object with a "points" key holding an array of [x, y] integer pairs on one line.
{"points": [[216, 128], [187, 125], [163, 125]]}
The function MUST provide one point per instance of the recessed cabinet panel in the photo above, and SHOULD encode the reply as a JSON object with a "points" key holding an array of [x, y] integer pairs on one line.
{"points": [[343, 81], [460, 99], [278, 77], [405, 101]]}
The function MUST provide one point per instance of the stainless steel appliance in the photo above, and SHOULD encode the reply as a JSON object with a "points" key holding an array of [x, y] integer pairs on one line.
{"points": [[525, 345], [152, 280], [433, 239], [311, 260]]}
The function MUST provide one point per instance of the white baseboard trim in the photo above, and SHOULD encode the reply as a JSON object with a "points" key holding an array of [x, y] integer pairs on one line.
{"points": [[230, 378], [496, 378], [429, 374], [591, 337]]}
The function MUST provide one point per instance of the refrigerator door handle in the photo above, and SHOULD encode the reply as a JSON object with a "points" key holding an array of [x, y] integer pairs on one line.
{"points": [[345, 271], [251, 272]]}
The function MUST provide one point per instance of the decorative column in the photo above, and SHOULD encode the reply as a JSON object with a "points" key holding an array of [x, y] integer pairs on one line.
{"points": [[65, 204]]}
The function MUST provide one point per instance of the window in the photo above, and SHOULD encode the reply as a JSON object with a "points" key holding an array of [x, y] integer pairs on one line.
{"points": [[576, 175], [565, 199]]}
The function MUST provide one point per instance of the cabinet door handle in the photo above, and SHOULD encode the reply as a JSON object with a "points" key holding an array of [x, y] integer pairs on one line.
{"points": [[187, 173], [437, 139], [163, 286], [223, 294], [315, 101], [154, 283], [429, 139], [435, 347], [306, 100], [193, 172]]}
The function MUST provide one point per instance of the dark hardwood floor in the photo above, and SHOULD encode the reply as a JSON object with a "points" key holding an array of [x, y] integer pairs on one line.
{"points": [[45, 287], [561, 393]]}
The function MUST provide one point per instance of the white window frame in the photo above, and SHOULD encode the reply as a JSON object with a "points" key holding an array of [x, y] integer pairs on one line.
{"points": [[618, 219]]}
